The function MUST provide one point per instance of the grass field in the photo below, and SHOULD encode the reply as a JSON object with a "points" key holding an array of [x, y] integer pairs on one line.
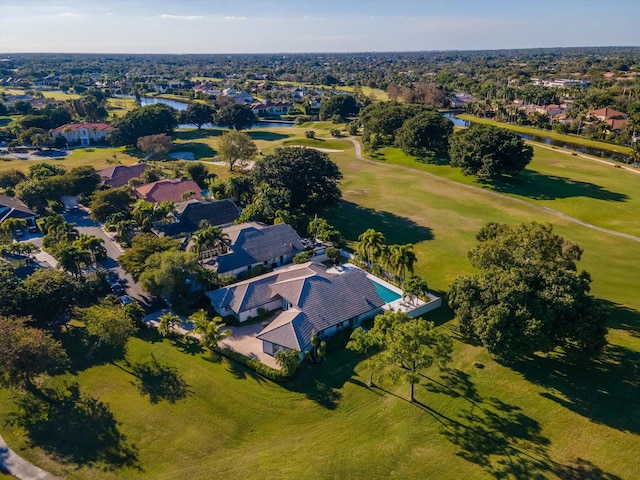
{"points": [[543, 418], [579, 140]]}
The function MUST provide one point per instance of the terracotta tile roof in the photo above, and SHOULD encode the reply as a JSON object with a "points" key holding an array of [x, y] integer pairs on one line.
{"points": [[606, 113], [167, 190], [119, 175], [77, 126]]}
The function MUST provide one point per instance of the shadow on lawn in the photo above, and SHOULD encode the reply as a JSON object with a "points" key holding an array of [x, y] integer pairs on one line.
{"points": [[199, 149], [196, 134], [160, 382], [266, 136], [74, 427], [605, 390], [352, 219], [499, 436], [551, 187], [621, 317], [79, 346]]}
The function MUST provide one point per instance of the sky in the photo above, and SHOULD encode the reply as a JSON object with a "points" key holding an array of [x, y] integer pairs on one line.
{"points": [[264, 26]]}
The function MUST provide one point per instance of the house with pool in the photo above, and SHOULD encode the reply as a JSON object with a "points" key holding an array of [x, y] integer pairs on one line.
{"points": [[309, 299]]}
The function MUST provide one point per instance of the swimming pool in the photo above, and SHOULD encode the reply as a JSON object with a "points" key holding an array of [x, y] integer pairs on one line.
{"points": [[385, 293]]}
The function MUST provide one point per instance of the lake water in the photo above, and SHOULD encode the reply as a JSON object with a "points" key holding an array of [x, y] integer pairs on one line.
{"points": [[596, 152], [144, 101]]}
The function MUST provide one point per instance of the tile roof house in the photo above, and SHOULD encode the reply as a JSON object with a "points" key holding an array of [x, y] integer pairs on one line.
{"points": [[604, 114], [253, 244], [119, 175], [188, 215], [312, 301], [172, 190], [82, 133], [11, 207]]}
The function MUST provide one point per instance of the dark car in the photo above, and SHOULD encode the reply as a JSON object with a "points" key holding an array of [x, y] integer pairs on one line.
{"points": [[125, 300], [117, 289]]}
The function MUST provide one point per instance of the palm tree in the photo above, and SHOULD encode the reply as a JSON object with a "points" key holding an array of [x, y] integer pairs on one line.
{"points": [[71, 259], [168, 324], [413, 288], [210, 331], [401, 259], [209, 241], [94, 245], [13, 225], [371, 245]]}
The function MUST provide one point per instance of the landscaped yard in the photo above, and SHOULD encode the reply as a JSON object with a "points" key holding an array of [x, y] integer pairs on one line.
{"points": [[200, 416]]}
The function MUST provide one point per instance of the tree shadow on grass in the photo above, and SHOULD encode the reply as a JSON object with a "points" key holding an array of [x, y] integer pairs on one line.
{"points": [[188, 345], [535, 185], [621, 318], [79, 347], [74, 427], [267, 136], [160, 382], [500, 437], [605, 390], [352, 220], [196, 134], [242, 372], [322, 382], [199, 149]]}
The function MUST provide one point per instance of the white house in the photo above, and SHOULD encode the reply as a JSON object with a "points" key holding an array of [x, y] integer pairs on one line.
{"points": [[82, 133]]}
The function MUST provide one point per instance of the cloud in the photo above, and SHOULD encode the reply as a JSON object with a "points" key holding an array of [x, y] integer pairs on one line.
{"points": [[71, 14], [182, 17], [235, 18]]}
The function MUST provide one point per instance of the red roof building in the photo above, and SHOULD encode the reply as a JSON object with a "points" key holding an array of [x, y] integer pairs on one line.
{"points": [[173, 190], [119, 175], [82, 133]]}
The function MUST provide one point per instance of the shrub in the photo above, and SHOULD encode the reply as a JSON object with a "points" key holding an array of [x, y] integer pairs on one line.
{"points": [[257, 366], [336, 133], [310, 134]]}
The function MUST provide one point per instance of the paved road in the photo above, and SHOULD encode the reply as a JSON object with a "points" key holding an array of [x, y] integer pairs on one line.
{"points": [[498, 195], [19, 467]]}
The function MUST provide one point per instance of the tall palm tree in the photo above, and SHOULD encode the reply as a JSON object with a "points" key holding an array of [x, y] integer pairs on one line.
{"points": [[401, 259], [168, 324], [71, 259], [209, 239], [371, 245], [94, 245], [211, 331]]}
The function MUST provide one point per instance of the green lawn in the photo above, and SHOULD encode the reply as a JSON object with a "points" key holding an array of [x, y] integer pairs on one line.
{"points": [[543, 418], [594, 192], [577, 139]]}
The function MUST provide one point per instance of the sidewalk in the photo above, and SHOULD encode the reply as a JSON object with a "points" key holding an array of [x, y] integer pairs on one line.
{"points": [[19, 467]]}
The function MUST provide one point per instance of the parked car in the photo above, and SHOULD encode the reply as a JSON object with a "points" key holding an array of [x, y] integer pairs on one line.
{"points": [[125, 300], [117, 289], [33, 229]]}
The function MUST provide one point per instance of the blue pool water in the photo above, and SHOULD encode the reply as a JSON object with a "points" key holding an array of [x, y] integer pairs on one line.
{"points": [[385, 293]]}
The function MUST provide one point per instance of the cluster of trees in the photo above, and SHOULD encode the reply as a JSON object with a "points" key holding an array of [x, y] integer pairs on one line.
{"points": [[416, 129], [45, 183], [403, 346], [73, 250], [140, 122], [372, 248], [339, 107], [527, 296], [426, 93], [488, 152]]}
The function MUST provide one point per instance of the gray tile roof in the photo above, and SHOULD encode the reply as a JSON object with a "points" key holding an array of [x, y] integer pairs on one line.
{"points": [[191, 213], [253, 243], [11, 207], [319, 300]]}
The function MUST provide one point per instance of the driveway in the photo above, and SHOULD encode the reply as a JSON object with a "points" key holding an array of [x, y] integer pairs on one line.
{"points": [[243, 340]]}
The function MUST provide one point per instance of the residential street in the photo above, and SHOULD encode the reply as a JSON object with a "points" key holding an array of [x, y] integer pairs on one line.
{"points": [[86, 225]]}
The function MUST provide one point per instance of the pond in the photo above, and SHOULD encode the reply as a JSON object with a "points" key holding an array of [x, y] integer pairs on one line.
{"points": [[144, 101], [596, 152]]}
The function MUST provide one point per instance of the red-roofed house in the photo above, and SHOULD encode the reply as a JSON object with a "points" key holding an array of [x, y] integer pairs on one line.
{"points": [[119, 175], [173, 190], [82, 133], [604, 114]]}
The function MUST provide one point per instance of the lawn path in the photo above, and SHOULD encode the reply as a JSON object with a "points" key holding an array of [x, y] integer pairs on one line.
{"points": [[497, 195], [19, 467]]}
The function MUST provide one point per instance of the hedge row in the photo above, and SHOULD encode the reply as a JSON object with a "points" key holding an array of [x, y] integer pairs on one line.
{"points": [[257, 366]]}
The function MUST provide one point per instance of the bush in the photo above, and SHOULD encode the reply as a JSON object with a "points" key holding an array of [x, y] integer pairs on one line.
{"points": [[336, 133], [310, 134], [303, 257]]}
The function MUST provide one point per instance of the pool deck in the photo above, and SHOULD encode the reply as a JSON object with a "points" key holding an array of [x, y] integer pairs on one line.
{"points": [[413, 308]]}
